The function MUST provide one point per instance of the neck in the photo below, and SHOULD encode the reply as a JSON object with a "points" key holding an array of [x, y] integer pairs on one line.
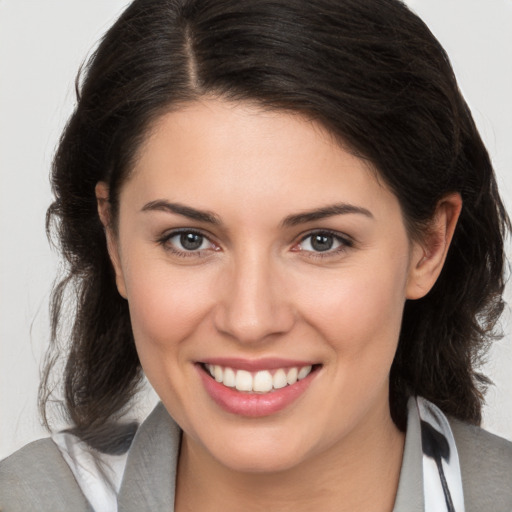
{"points": [[359, 473]]}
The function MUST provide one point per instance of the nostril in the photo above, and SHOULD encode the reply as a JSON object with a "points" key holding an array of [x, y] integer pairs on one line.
{"points": [[252, 305], [253, 324]]}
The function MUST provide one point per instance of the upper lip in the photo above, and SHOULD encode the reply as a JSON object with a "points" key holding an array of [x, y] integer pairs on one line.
{"points": [[254, 365]]}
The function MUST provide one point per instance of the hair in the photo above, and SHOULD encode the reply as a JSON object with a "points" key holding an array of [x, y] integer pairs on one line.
{"points": [[373, 75]]}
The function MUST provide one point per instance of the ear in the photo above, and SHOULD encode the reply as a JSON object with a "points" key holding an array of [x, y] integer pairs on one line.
{"points": [[103, 202], [429, 254]]}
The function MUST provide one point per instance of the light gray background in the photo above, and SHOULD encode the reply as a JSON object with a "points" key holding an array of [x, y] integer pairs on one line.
{"points": [[43, 42]]}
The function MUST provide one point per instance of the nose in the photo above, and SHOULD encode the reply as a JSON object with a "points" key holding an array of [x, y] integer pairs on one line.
{"points": [[254, 306]]}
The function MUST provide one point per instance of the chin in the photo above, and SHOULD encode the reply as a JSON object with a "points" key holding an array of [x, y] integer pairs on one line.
{"points": [[267, 449], [255, 460]]}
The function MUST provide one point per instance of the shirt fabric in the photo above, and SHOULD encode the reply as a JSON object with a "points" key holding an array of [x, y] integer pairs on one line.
{"points": [[38, 478]]}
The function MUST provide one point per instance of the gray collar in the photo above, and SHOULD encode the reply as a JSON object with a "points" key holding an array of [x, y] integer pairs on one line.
{"points": [[150, 476]]}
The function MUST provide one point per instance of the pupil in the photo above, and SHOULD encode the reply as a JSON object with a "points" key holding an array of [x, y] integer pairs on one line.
{"points": [[322, 242], [191, 241]]}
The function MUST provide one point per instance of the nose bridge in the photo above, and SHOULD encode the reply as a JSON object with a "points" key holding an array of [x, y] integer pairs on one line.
{"points": [[255, 306]]}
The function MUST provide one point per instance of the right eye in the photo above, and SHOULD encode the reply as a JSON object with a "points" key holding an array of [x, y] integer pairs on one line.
{"points": [[187, 243]]}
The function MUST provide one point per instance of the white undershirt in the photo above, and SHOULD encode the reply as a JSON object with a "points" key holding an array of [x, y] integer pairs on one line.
{"points": [[99, 475]]}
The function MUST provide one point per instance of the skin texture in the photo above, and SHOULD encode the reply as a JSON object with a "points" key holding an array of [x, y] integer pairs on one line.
{"points": [[256, 289]]}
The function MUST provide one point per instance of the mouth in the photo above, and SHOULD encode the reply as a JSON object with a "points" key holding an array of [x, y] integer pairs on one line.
{"points": [[262, 381], [256, 389]]}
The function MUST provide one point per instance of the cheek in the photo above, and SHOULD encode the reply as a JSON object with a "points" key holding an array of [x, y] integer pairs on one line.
{"points": [[358, 314], [166, 304], [359, 309]]}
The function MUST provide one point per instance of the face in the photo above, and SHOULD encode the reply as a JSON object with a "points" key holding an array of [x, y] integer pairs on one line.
{"points": [[266, 271]]}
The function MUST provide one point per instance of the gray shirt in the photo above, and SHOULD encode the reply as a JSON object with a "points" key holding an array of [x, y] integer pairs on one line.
{"points": [[36, 478]]}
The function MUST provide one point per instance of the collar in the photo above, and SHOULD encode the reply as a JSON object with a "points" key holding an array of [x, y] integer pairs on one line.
{"points": [[149, 478], [409, 496]]}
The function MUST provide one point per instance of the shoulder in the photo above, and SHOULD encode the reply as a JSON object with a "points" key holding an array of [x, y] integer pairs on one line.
{"points": [[37, 478], [486, 468]]}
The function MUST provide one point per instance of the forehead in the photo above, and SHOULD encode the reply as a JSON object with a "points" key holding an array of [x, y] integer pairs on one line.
{"points": [[216, 154]]}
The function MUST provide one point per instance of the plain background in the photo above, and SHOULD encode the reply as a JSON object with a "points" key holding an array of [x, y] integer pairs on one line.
{"points": [[42, 44]]}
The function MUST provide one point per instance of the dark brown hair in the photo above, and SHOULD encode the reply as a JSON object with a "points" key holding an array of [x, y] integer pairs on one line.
{"points": [[373, 74]]}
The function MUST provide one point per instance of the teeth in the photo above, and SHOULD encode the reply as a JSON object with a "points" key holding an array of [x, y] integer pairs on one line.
{"points": [[279, 379], [291, 376], [229, 378], [258, 382], [262, 382], [304, 372], [243, 381]]}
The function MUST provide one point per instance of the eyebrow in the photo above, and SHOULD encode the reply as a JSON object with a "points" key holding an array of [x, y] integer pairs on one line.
{"points": [[324, 212], [290, 221], [180, 209]]}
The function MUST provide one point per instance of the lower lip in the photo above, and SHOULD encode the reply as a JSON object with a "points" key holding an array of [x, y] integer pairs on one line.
{"points": [[253, 405]]}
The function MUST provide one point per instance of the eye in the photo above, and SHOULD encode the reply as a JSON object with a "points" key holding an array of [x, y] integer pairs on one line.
{"points": [[323, 242], [187, 243]]}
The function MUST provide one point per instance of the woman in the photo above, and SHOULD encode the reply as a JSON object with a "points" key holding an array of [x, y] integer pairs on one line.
{"points": [[281, 213]]}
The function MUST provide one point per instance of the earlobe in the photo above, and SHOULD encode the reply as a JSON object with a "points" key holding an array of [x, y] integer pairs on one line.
{"points": [[103, 204], [429, 255]]}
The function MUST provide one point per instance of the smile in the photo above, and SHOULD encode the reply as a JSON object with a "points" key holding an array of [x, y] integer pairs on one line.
{"points": [[263, 381], [256, 389]]}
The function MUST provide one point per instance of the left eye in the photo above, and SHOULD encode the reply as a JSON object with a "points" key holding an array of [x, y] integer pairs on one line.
{"points": [[322, 242], [189, 241]]}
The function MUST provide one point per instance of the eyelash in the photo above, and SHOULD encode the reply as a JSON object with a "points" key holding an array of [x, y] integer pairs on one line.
{"points": [[164, 241], [344, 241]]}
